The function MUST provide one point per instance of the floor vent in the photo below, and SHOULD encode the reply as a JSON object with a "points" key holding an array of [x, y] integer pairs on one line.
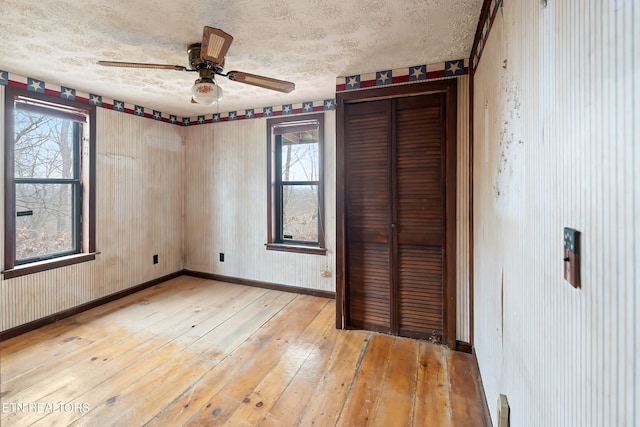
{"points": [[503, 411]]}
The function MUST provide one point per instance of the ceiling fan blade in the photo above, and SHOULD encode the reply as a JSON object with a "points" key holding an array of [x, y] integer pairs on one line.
{"points": [[265, 82], [215, 44], [142, 65]]}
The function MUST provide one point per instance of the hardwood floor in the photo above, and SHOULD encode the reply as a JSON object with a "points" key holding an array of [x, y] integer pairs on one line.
{"points": [[203, 353]]}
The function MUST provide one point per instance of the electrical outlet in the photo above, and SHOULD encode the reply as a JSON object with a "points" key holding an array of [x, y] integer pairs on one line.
{"points": [[221, 257], [155, 259]]}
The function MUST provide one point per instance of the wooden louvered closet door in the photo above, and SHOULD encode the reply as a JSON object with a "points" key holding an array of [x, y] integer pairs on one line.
{"points": [[395, 215], [419, 203], [368, 194]]}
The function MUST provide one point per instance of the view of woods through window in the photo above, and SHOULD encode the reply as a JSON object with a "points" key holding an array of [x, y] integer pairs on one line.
{"points": [[300, 180], [46, 184]]}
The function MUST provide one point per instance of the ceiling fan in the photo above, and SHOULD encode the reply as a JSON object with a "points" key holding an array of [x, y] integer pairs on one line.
{"points": [[207, 58]]}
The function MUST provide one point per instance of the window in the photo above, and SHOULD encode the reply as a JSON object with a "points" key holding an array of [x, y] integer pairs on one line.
{"points": [[295, 177], [49, 163]]}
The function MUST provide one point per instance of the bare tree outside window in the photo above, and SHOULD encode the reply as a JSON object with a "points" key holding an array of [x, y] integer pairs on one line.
{"points": [[295, 177], [299, 186], [46, 182], [49, 191]]}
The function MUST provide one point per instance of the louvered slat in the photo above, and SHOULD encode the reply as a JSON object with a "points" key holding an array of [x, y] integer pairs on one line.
{"points": [[420, 290]]}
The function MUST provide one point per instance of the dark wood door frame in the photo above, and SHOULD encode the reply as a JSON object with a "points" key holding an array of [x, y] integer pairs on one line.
{"points": [[449, 88]]}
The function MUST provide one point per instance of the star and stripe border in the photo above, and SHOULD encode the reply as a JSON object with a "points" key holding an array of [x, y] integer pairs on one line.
{"points": [[417, 73], [484, 35], [413, 74], [262, 112], [64, 92]]}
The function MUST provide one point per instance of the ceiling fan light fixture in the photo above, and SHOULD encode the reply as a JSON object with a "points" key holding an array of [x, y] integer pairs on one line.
{"points": [[206, 92]]}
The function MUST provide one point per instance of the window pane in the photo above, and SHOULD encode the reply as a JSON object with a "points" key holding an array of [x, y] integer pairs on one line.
{"points": [[44, 222], [299, 153], [300, 213], [44, 146]]}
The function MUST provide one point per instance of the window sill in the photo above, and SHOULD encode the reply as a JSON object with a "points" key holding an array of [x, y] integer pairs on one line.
{"points": [[50, 264], [301, 249]]}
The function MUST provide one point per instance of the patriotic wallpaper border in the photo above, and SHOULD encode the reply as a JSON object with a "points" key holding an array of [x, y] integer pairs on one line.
{"points": [[486, 29], [413, 74], [39, 86]]}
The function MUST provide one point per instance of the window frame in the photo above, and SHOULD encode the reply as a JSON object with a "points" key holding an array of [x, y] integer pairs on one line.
{"points": [[274, 181], [84, 192]]}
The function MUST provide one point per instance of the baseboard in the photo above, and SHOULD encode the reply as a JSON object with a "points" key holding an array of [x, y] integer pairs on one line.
{"points": [[26, 327], [260, 284], [464, 347]]}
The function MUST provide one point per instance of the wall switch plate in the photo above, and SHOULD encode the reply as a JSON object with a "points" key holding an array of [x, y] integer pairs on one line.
{"points": [[155, 259], [572, 257], [503, 411], [221, 257]]}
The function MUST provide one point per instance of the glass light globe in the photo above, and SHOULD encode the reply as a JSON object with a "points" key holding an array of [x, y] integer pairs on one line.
{"points": [[206, 93]]}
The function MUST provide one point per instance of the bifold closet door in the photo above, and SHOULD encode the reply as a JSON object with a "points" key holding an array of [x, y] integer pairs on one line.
{"points": [[420, 216], [394, 185], [368, 208]]}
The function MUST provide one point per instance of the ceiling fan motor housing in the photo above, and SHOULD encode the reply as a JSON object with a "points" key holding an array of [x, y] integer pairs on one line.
{"points": [[197, 63]]}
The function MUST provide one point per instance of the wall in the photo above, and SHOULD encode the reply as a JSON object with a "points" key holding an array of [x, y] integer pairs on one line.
{"points": [[138, 214], [226, 207], [556, 145]]}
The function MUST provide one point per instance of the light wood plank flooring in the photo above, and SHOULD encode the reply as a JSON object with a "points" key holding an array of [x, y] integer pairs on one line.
{"points": [[204, 353]]}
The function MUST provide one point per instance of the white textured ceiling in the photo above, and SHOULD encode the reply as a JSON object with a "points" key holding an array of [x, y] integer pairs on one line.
{"points": [[309, 42]]}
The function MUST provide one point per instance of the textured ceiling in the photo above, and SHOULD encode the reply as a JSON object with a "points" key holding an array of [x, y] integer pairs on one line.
{"points": [[309, 42]]}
